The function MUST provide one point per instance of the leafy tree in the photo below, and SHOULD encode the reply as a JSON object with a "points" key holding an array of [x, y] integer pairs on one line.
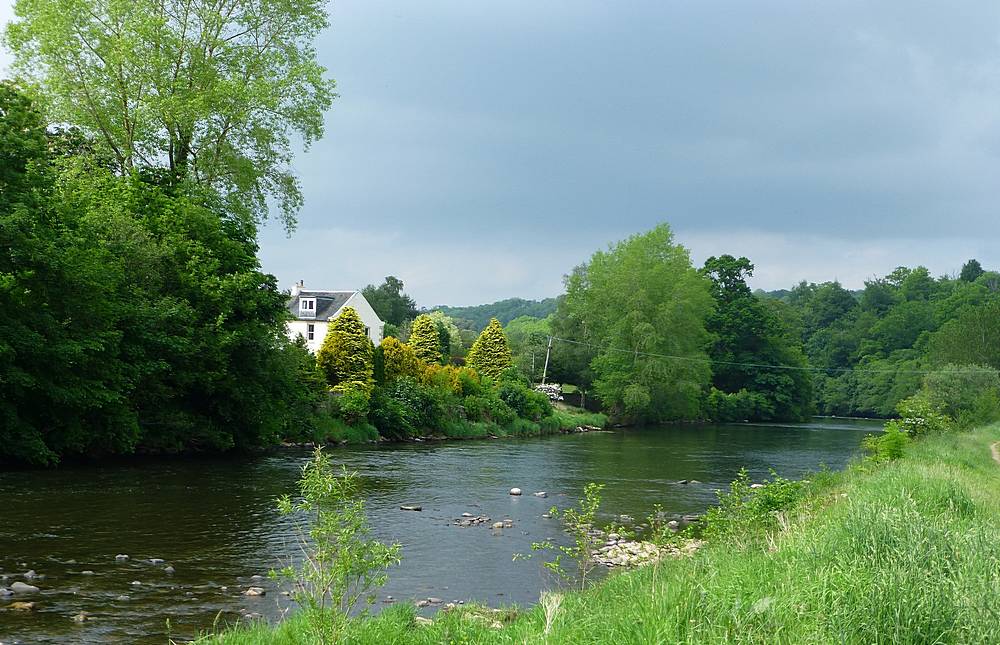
{"points": [[528, 339], [389, 302], [971, 270], [477, 317], [972, 338], [749, 336], [399, 360], [449, 335], [346, 354], [642, 307], [490, 354], [213, 92], [424, 339]]}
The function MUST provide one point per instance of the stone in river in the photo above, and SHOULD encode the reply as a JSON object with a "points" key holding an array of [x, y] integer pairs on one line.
{"points": [[421, 603], [254, 591], [156, 560], [466, 514], [30, 575], [515, 491], [541, 493], [86, 572], [121, 557], [4, 591], [411, 507], [122, 598], [168, 569], [22, 606], [20, 587], [82, 617], [435, 601], [136, 583], [498, 525]]}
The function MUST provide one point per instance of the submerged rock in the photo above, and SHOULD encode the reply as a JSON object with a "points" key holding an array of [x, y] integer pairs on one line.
{"points": [[168, 569], [541, 493], [411, 507], [254, 591], [121, 557], [22, 606], [156, 560], [498, 525], [515, 491], [30, 574], [82, 617], [21, 587], [4, 592]]}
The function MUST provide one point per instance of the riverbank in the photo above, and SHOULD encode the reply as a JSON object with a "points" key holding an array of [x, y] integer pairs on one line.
{"points": [[901, 552], [563, 419]]}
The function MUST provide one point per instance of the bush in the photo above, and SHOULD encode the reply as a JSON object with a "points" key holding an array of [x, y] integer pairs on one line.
{"points": [[921, 417], [488, 407], [736, 406], [889, 445], [352, 401], [746, 513], [969, 394]]}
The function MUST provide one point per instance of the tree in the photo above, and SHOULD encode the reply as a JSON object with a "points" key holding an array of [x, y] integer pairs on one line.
{"points": [[398, 359], [389, 302], [748, 336], [213, 92], [490, 354], [346, 354], [449, 335], [528, 339], [971, 270], [972, 338], [424, 339], [642, 307]]}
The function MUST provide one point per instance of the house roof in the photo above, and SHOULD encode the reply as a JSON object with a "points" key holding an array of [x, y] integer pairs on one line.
{"points": [[328, 303]]}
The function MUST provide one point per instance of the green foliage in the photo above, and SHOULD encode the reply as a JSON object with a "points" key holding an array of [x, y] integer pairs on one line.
{"points": [[969, 394], [477, 317], [425, 340], [920, 416], [888, 446], [135, 316], [642, 297], [579, 523], [971, 270], [490, 354], [398, 360], [210, 94], [971, 338], [748, 334], [346, 353], [390, 303], [528, 338], [449, 335], [343, 565], [748, 513]]}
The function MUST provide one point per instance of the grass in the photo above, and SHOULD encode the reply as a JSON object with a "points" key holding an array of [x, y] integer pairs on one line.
{"points": [[904, 552]]}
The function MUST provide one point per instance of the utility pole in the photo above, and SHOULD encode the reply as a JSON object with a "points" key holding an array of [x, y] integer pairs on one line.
{"points": [[545, 370]]}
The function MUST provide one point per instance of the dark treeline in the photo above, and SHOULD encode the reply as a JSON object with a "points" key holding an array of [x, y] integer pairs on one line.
{"points": [[133, 312]]}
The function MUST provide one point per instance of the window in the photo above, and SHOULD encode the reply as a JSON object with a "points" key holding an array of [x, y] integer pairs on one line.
{"points": [[366, 331], [307, 307], [310, 331]]}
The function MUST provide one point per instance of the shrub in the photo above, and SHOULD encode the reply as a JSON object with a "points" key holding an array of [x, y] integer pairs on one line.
{"points": [[398, 360], [424, 339], [921, 417], [353, 402], [488, 407], [343, 565], [747, 512], [969, 394], [490, 354], [889, 445], [346, 353]]}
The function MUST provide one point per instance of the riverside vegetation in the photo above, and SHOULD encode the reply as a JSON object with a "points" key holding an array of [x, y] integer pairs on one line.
{"points": [[898, 548]]}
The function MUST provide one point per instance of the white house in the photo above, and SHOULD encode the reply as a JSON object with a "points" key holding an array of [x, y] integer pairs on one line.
{"points": [[312, 311]]}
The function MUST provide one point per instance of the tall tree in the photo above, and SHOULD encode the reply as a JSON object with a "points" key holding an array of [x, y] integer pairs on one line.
{"points": [[490, 354], [346, 353], [749, 335], [212, 90], [642, 307], [971, 270], [399, 359], [389, 302], [425, 340]]}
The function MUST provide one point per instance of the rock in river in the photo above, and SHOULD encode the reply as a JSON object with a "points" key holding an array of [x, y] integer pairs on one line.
{"points": [[515, 491], [411, 507], [121, 557], [541, 493], [22, 606], [156, 560], [254, 591], [20, 587]]}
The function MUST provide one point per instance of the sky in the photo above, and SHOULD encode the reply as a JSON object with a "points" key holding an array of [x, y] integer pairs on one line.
{"points": [[481, 150]]}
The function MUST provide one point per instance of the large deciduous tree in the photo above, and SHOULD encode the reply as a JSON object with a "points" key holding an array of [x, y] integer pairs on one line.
{"points": [[748, 336], [213, 90], [389, 302], [642, 308]]}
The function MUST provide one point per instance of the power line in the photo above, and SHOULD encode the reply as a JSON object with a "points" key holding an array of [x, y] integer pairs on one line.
{"points": [[737, 364]]}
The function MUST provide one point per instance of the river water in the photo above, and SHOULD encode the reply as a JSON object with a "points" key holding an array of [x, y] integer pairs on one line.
{"points": [[213, 520]]}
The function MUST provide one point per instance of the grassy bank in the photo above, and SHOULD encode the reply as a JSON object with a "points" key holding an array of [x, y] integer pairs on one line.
{"points": [[563, 419], [903, 552]]}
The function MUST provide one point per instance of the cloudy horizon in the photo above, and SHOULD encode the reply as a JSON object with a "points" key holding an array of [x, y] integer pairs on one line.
{"points": [[479, 152]]}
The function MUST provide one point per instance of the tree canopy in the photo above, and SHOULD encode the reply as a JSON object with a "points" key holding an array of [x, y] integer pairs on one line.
{"points": [[389, 302], [425, 339], [214, 92], [346, 353], [490, 354]]}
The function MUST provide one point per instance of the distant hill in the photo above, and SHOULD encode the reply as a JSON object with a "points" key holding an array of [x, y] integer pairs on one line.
{"points": [[477, 317]]}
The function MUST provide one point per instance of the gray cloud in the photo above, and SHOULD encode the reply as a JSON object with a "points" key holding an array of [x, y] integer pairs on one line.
{"points": [[480, 150]]}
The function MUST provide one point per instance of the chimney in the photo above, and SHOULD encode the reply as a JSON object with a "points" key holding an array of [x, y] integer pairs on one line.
{"points": [[298, 287]]}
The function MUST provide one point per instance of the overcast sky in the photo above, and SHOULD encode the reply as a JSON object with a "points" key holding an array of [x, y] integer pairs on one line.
{"points": [[480, 150]]}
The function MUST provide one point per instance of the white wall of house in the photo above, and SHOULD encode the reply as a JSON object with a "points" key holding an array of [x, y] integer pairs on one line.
{"points": [[314, 331]]}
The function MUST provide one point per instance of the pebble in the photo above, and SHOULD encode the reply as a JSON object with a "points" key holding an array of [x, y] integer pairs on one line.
{"points": [[121, 557], [498, 525], [541, 493], [82, 617], [254, 591], [30, 574], [168, 569], [4, 592]]}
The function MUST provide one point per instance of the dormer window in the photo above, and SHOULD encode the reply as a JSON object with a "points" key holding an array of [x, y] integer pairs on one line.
{"points": [[307, 307]]}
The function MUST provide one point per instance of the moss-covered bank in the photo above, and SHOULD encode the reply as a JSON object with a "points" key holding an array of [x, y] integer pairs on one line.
{"points": [[903, 552]]}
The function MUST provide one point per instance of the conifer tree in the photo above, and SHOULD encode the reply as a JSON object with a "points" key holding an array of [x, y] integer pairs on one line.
{"points": [[490, 354], [398, 359], [424, 339], [346, 354]]}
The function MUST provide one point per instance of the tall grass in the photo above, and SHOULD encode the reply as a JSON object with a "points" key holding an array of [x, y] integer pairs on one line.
{"points": [[903, 552]]}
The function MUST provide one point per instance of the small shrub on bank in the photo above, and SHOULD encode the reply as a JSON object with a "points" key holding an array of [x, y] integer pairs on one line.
{"points": [[887, 446], [749, 511]]}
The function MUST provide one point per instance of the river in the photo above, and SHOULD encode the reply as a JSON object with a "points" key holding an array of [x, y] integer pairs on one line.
{"points": [[213, 520]]}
